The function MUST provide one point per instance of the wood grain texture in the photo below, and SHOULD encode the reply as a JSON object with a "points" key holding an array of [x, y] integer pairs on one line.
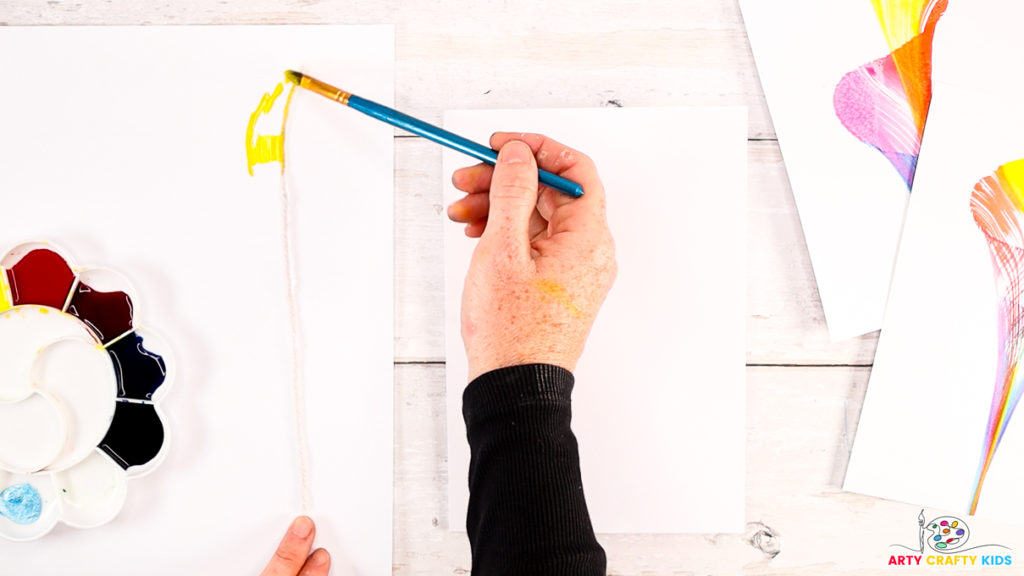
{"points": [[804, 392]]}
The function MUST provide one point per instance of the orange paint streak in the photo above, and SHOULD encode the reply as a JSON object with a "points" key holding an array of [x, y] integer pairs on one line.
{"points": [[914, 63]]}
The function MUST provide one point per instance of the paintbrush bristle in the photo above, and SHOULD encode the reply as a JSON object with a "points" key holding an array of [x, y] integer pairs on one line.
{"points": [[293, 76]]}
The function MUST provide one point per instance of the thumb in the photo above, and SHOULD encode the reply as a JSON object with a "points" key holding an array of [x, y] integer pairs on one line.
{"points": [[513, 198]]}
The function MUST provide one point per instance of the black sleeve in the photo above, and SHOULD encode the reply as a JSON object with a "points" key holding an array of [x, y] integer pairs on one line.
{"points": [[527, 514]]}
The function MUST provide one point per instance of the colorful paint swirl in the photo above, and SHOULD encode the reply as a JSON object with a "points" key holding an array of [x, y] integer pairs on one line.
{"points": [[884, 103], [998, 207]]}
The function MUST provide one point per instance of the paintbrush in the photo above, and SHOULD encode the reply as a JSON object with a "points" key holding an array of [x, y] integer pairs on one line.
{"points": [[428, 131]]}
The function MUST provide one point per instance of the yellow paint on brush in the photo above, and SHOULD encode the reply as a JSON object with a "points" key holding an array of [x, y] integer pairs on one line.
{"points": [[559, 293], [266, 148]]}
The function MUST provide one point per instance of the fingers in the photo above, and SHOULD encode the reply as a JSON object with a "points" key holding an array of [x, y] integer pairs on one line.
{"points": [[564, 213], [318, 564], [513, 200], [291, 555], [473, 179], [469, 208], [558, 158], [472, 208]]}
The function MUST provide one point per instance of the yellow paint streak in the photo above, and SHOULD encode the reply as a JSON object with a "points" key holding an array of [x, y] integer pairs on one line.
{"points": [[1011, 177], [5, 299], [900, 19], [559, 294], [266, 148]]}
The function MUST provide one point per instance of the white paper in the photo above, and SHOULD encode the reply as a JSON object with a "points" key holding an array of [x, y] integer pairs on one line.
{"points": [[658, 406], [850, 198], [125, 146], [922, 426]]}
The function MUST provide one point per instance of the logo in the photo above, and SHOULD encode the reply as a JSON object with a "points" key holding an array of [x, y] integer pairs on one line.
{"points": [[946, 537]]}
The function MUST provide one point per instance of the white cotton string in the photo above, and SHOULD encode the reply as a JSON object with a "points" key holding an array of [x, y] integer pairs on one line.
{"points": [[298, 384]]}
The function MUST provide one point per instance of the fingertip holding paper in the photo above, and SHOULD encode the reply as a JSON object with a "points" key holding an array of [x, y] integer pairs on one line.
{"points": [[665, 361]]}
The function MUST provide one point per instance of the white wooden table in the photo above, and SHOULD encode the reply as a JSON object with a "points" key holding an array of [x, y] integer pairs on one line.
{"points": [[804, 392]]}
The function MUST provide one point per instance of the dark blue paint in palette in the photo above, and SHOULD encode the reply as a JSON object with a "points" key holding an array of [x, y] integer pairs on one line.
{"points": [[139, 371], [135, 435]]}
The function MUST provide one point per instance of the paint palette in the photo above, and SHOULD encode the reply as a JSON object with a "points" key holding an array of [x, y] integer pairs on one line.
{"points": [[80, 385]]}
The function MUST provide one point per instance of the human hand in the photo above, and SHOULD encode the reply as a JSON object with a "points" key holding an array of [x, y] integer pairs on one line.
{"points": [[292, 557], [544, 262]]}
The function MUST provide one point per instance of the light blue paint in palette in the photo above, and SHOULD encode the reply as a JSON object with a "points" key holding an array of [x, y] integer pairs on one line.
{"points": [[21, 504]]}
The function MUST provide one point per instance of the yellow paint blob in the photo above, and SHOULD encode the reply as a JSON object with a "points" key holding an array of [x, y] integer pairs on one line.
{"points": [[559, 293], [266, 148]]}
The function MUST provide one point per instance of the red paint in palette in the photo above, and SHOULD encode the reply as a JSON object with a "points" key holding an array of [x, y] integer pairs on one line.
{"points": [[107, 314], [41, 277]]}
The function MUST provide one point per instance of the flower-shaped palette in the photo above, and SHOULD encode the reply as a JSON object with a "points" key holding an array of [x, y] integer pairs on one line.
{"points": [[80, 385]]}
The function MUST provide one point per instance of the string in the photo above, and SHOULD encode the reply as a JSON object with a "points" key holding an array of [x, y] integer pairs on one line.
{"points": [[298, 382], [262, 149]]}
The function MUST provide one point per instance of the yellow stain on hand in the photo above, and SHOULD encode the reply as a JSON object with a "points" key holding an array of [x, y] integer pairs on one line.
{"points": [[266, 148], [559, 293]]}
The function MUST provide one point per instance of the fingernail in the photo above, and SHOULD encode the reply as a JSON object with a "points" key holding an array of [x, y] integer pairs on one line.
{"points": [[319, 557], [514, 152], [302, 526]]}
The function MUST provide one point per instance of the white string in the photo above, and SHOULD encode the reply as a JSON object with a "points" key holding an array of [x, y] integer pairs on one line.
{"points": [[298, 383]]}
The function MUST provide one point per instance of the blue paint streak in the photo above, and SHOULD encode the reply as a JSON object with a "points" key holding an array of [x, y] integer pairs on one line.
{"points": [[21, 504]]}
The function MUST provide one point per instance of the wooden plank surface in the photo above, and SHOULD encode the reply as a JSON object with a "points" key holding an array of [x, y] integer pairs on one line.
{"points": [[804, 392]]}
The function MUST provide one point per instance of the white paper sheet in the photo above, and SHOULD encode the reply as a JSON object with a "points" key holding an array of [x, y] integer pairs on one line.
{"points": [[658, 407], [851, 200], [126, 147], [921, 429]]}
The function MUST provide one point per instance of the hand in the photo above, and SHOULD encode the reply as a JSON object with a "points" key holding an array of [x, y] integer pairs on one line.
{"points": [[544, 262], [292, 557]]}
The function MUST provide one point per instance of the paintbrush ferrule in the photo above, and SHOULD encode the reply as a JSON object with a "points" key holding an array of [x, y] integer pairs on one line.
{"points": [[324, 89]]}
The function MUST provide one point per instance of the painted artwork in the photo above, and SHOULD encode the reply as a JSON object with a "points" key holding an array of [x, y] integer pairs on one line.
{"points": [[80, 386], [885, 102], [997, 204], [846, 82], [936, 428]]}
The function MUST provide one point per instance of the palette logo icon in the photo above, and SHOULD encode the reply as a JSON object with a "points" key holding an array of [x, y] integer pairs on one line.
{"points": [[946, 534]]}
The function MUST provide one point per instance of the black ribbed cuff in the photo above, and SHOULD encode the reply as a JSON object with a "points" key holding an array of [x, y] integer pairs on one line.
{"points": [[504, 389]]}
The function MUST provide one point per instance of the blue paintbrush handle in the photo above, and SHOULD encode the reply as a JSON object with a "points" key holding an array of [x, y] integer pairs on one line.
{"points": [[453, 141]]}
